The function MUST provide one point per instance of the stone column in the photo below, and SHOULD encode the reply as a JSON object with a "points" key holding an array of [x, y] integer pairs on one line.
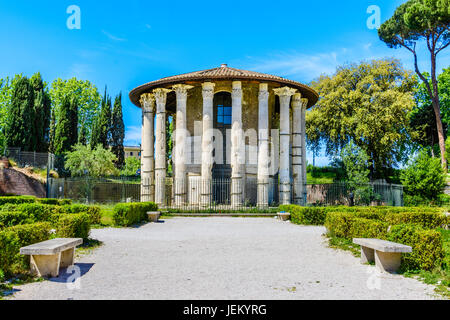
{"points": [[285, 94], [297, 147], [237, 147], [160, 146], [147, 148], [263, 147], [180, 181], [303, 126], [207, 143]]}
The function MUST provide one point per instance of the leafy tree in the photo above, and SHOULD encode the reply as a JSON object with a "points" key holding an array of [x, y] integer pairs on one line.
{"points": [[355, 162], [66, 130], [423, 119], [424, 177], [369, 105], [82, 137], [20, 119], [418, 20], [118, 132], [132, 165], [86, 94], [83, 161]]}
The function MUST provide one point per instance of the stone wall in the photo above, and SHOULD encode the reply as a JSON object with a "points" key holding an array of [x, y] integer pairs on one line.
{"points": [[17, 183]]}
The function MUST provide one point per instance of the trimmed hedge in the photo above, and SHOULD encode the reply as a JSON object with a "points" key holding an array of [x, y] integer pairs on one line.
{"points": [[10, 219], [127, 214], [75, 225], [55, 202], [427, 217], [94, 212], [13, 238], [17, 200], [426, 245]]}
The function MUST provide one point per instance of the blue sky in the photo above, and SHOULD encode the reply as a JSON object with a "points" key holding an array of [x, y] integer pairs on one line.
{"points": [[123, 44]]}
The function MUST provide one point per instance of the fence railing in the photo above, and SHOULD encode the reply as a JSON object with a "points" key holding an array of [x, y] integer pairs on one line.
{"points": [[32, 159], [216, 195]]}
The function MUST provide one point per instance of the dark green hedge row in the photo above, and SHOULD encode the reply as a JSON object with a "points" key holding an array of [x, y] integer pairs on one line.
{"points": [[127, 214], [426, 243], [17, 200]]}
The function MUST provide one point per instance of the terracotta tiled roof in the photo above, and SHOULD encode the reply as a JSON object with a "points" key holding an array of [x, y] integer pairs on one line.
{"points": [[223, 73]]}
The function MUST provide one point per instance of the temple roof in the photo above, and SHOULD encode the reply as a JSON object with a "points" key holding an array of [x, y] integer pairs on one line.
{"points": [[223, 73]]}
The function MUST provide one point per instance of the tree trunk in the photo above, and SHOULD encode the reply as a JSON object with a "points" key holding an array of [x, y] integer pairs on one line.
{"points": [[437, 112]]}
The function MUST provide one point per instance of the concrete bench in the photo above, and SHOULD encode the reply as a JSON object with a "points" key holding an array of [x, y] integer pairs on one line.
{"points": [[48, 256], [386, 254], [153, 216]]}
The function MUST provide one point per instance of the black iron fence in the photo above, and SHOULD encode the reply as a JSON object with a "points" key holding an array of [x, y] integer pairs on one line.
{"points": [[31, 159], [217, 195]]}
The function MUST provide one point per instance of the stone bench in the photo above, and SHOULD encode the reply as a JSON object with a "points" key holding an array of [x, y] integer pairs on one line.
{"points": [[48, 256], [386, 254], [283, 216]]}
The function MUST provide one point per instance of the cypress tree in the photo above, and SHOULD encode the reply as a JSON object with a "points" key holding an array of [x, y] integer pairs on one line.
{"points": [[118, 132], [82, 137], [66, 130], [42, 111], [19, 126], [104, 122]]}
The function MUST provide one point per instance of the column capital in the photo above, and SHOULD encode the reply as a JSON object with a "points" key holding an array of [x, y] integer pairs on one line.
{"points": [[208, 90], [181, 89], [296, 100], [161, 95], [304, 103], [285, 91], [147, 102], [237, 89]]}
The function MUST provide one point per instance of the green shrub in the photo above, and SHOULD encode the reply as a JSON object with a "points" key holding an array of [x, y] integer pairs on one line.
{"points": [[17, 200], [55, 202], [38, 211], [94, 212], [13, 238], [127, 214], [9, 247], [75, 225], [349, 226], [428, 220], [9, 219], [306, 215], [427, 251]]}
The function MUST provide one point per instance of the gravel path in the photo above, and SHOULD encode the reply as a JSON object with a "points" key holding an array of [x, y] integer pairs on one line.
{"points": [[222, 258]]}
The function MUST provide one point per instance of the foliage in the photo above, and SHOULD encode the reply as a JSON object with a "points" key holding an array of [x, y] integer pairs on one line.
{"points": [[424, 177], [127, 214], [101, 132], [76, 225], [19, 126], [118, 132], [94, 212], [17, 200], [427, 251], [66, 129], [86, 94], [83, 161], [426, 20], [367, 104], [132, 165], [423, 118]]}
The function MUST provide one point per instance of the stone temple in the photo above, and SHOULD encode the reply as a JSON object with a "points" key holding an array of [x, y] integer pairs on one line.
{"points": [[239, 138]]}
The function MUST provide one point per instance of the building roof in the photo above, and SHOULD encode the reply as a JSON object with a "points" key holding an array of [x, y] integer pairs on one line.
{"points": [[223, 73]]}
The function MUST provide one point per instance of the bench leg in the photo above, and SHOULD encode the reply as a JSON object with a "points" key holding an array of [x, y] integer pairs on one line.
{"points": [[67, 258], [44, 266], [367, 255], [388, 261]]}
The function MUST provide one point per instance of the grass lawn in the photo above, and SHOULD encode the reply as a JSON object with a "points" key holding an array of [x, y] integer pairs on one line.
{"points": [[325, 178]]}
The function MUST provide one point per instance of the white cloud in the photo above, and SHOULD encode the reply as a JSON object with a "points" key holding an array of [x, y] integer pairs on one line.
{"points": [[133, 135], [113, 37]]}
